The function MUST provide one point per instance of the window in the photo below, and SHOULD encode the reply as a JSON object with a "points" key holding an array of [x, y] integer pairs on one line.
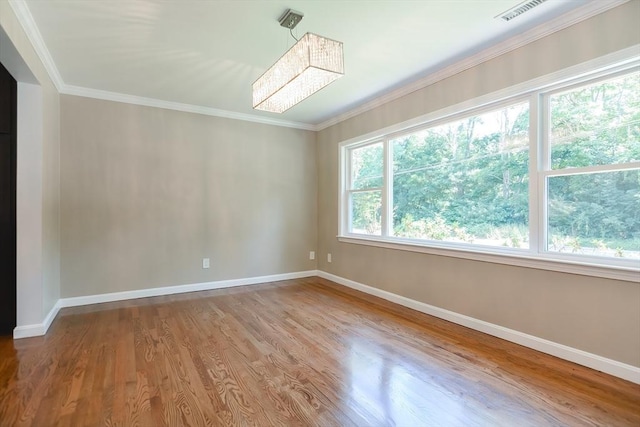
{"points": [[593, 182], [551, 174], [365, 189], [465, 180]]}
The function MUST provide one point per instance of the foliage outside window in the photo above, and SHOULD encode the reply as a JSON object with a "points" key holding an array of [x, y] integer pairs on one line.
{"points": [[465, 180], [366, 189], [593, 188], [561, 183]]}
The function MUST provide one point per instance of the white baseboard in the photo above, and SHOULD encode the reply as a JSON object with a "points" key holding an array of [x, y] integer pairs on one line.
{"points": [[27, 331], [170, 290], [599, 363], [609, 366], [41, 328], [37, 329]]}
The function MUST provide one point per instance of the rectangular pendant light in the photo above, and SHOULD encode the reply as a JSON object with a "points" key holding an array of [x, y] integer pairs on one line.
{"points": [[311, 64]]}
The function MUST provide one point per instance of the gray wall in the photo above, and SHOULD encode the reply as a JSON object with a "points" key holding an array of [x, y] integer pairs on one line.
{"points": [[147, 193], [38, 184], [596, 315]]}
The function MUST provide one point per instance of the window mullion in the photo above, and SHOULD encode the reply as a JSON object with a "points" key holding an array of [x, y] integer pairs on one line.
{"points": [[367, 190], [346, 195], [593, 169], [544, 162], [534, 167], [387, 189]]}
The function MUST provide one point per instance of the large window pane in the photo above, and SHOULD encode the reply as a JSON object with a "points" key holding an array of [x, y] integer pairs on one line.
{"points": [[465, 181], [367, 167], [595, 214], [598, 124], [366, 211]]}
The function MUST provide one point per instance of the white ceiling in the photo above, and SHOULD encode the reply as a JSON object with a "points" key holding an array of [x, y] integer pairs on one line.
{"points": [[207, 53]]}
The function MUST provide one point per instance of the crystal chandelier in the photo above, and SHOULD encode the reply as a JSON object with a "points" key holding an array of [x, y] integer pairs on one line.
{"points": [[311, 64]]}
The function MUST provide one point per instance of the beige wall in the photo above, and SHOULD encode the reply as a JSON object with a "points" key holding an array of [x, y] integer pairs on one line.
{"points": [[38, 214], [596, 315], [147, 193]]}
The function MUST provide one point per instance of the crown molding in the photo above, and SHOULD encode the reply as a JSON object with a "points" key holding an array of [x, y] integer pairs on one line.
{"points": [[188, 108], [587, 11], [559, 23], [23, 14]]}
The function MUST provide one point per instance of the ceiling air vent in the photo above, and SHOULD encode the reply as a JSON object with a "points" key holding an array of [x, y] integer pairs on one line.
{"points": [[520, 9]]}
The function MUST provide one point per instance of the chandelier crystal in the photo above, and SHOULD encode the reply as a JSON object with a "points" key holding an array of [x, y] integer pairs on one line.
{"points": [[311, 64]]}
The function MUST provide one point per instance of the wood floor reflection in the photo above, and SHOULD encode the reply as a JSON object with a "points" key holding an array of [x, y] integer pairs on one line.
{"points": [[303, 352]]}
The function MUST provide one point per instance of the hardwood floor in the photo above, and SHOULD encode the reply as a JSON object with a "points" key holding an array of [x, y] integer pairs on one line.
{"points": [[297, 353]]}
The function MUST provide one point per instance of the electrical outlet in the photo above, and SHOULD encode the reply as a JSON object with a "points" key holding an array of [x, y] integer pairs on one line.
{"points": [[328, 257], [312, 255], [205, 262]]}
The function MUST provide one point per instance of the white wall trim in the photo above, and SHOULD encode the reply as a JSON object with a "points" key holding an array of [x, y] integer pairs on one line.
{"points": [[37, 329], [41, 328], [590, 360], [28, 331], [497, 255], [29, 26], [189, 108], [29, 204], [25, 18], [609, 366], [620, 59], [170, 290], [575, 16], [619, 269], [560, 23]]}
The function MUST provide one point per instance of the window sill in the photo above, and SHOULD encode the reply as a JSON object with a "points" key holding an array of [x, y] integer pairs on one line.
{"points": [[497, 256]]}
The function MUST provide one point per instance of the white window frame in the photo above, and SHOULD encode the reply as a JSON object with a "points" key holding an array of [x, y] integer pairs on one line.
{"points": [[537, 93], [349, 184]]}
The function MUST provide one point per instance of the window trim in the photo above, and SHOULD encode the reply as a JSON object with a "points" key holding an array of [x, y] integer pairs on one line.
{"points": [[520, 260], [535, 92]]}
